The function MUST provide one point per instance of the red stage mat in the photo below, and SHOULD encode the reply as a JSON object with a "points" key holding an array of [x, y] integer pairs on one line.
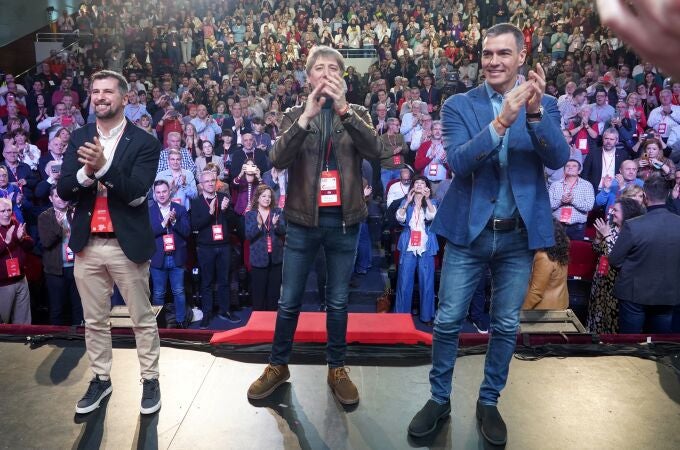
{"points": [[362, 328]]}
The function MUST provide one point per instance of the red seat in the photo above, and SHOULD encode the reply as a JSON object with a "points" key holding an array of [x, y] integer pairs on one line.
{"points": [[582, 260]]}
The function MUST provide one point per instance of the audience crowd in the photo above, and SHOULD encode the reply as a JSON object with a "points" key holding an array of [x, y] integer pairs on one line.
{"points": [[211, 81]]}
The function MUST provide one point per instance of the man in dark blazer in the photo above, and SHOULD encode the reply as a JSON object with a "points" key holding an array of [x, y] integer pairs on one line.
{"points": [[212, 217], [498, 138], [237, 123], [171, 229], [108, 169], [647, 253], [605, 160], [432, 96]]}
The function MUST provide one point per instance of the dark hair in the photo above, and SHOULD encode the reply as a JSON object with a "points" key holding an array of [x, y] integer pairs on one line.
{"points": [[160, 182], [559, 252], [579, 91], [427, 183], [104, 74], [508, 28], [629, 208], [257, 121], [656, 188]]}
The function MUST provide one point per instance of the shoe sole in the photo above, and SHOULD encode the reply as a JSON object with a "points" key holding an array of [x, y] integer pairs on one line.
{"points": [[481, 429], [95, 405], [269, 392], [151, 410], [442, 416]]}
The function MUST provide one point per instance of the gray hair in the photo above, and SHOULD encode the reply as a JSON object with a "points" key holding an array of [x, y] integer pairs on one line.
{"points": [[327, 52]]}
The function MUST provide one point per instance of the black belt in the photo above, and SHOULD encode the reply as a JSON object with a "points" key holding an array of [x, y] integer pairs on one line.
{"points": [[505, 224], [104, 235]]}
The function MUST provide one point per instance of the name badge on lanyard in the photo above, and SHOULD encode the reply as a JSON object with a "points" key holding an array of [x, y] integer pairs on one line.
{"points": [[12, 267], [329, 188], [169, 242], [396, 159], [101, 219], [282, 201], [70, 257], [603, 266], [662, 128], [218, 234], [565, 214], [416, 238], [433, 169], [269, 244]]}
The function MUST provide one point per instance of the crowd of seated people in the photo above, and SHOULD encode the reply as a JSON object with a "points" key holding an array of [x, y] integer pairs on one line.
{"points": [[212, 79]]}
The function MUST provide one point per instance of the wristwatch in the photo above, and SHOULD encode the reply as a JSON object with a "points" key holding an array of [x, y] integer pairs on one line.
{"points": [[538, 115]]}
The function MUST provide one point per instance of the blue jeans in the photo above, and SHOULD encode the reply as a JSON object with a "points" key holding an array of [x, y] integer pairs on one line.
{"points": [[557, 54], [386, 175], [508, 257], [364, 257], [576, 231], [214, 263], [160, 277], [479, 298], [632, 318], [407, 266], [300, 251]]}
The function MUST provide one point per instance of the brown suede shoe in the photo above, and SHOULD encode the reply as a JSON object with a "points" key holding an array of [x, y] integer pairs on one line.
{"points": [[271, 378], [343, 388]]}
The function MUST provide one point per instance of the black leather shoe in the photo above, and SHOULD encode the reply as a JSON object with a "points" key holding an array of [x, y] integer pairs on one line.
{"points": [[491, 424], [426, 420]]}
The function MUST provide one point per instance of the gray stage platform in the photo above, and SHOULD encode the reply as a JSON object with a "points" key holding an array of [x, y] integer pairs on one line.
{"points": [[573, 403]]}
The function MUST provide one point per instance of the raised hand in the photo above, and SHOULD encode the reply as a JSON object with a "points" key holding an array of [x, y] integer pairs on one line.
{"points": [[537, 82]]}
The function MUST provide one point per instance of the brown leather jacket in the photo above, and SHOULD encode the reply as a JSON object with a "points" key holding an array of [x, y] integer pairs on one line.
{"points": [[300, 152]]}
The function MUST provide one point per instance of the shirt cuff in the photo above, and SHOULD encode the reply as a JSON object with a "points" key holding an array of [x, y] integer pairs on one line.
{"points": [[83, 179], [495, 138], [101, 172]]}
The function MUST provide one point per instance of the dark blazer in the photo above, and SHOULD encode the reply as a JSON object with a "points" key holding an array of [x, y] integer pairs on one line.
{"points": [[592, 165], [434, 97], [128, 181], [24, 172], [202, 221], [229, 124], [51, 235], [258, 239], [181, 231], [469, 202], [647, 252]]}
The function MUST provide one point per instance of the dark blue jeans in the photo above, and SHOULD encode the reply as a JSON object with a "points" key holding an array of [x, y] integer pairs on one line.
{"points": [[634, 316], [214, 264], [300, 251], [160, 279], [508, 257], [363, 261]]}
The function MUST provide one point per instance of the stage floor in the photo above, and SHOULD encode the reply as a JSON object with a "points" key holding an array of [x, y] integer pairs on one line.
{"points": [[572, 403]]}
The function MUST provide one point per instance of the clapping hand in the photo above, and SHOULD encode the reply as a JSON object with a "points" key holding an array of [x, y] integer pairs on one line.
{"points": [[8, 236], [91, 155], [225, 203], [537, 81], [213, 204], [602, 227], [275, 218]]}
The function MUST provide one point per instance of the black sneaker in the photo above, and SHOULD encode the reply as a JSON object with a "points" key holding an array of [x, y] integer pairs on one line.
{"points": [[205, 322], [151, 396], [481, 324], [229, 317], [96, 392], [426, 420], [491, 424]]}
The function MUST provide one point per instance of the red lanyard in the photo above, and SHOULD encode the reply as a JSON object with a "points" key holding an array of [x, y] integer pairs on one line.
{"points": [[267, 224], [217, 207], [571, 189], [328, 151]]}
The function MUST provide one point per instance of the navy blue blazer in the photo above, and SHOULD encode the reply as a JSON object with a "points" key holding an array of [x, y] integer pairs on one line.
{"points": [[469, 202], [181, 231], [258, 239]]}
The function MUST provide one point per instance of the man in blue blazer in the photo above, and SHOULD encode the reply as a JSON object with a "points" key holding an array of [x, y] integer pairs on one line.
{"points": [[498, 138], [171, 229]]}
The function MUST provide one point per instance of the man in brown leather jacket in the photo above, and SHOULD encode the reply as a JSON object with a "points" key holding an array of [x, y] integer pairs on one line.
{"points": [[322, 146]]}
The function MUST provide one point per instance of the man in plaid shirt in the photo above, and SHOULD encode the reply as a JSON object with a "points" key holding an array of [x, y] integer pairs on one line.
{"points": [[571, 200]]}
